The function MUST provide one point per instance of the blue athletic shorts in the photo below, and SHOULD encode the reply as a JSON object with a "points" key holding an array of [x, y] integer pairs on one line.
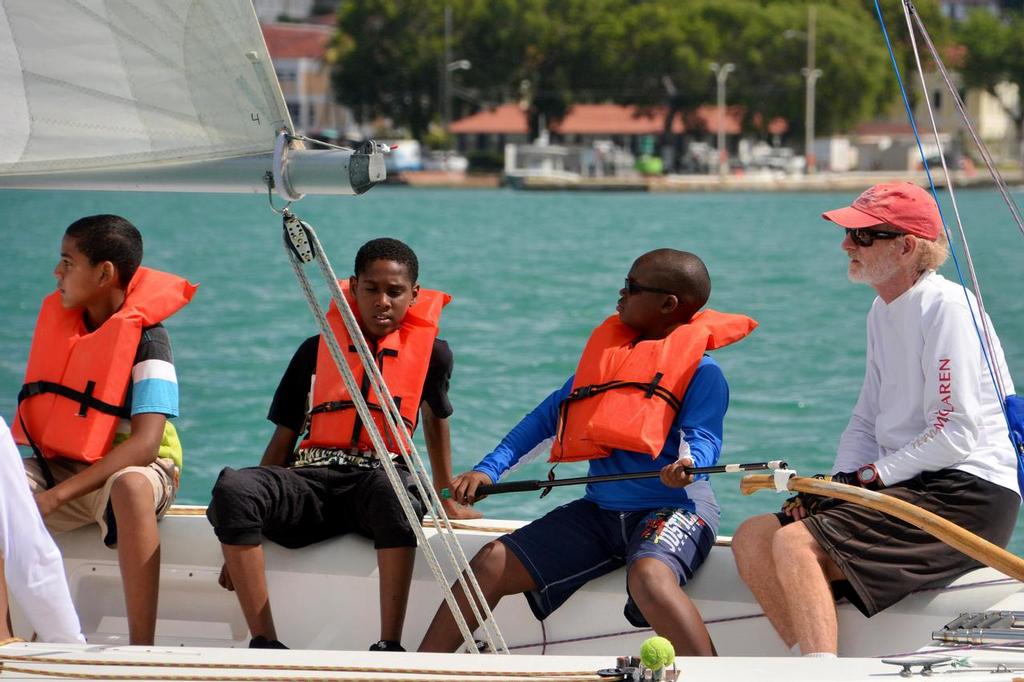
{"points": [[577, 542]]}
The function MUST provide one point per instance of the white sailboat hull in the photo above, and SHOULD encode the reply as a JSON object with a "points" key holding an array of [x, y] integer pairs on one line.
{"points": [[325, 597]]}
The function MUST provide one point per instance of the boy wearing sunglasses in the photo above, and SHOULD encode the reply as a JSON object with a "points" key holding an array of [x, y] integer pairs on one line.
{"points": [[646, 362], [927, 428]]}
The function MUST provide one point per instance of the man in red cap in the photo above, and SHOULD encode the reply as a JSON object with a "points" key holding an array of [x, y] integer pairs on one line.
{"points": [[928, 428]]}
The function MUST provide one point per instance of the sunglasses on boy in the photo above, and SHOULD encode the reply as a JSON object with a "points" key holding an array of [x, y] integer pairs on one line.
{"points": [[633, 288], [863, 236]]}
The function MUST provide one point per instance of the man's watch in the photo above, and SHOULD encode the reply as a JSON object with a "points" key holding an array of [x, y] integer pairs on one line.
{"points": [[868, 478]]}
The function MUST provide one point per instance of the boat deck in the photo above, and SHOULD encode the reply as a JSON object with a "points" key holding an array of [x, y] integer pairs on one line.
{"points": [[33, 661]]}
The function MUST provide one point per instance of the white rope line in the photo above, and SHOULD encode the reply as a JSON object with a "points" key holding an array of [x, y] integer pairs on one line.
{"points": [[986, 326], [57, 660], [986, 155], [408, 449]]}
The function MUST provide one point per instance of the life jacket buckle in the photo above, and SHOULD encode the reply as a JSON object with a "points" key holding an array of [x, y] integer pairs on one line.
{"points": [[582, 392]]}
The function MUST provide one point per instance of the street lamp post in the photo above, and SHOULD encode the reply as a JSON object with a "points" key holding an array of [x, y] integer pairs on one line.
{"points": [[811, 76], [457, 65], [448, 66], [722, 72]]}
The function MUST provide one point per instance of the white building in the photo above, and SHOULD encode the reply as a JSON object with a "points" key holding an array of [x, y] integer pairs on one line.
{"points": [[299, 54]]}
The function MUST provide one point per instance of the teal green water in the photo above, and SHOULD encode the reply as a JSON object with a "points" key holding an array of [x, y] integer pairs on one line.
{"points": [[531, 274]]}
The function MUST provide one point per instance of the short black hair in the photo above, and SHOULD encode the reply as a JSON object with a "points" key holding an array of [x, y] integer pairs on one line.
{"points": [[386, 248], [109, 237], [682, 273]]}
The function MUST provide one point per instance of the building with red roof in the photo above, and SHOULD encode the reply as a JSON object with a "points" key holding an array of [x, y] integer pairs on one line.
{"points": [[585, 125], [299, 53]]}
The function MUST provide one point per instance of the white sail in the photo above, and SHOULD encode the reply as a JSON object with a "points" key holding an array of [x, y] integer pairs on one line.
{"points": [[107, 83], [140, 94]]}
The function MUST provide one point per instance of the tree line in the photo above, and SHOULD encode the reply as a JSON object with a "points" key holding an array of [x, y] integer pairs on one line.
{"points": [[390, 56]]}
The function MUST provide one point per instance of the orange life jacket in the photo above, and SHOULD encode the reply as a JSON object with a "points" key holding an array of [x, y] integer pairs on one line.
{"points": [[76, 381], [403, 357], [626, 393]]}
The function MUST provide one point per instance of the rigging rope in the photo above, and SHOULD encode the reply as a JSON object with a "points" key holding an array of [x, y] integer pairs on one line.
{"points": [[986, 326], [282, 667], [296, 229], [416, 676], [983, 331]]}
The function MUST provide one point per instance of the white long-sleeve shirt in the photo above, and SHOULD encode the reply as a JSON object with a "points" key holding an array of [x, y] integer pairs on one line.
{"points": [[928, 401], [32, 562]]}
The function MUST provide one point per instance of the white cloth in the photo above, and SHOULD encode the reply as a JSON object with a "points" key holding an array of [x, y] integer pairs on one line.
{"points": [[32, 562], [928, 401]]}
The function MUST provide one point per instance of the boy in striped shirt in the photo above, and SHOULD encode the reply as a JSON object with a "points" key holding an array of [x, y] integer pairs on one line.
{"points": [[120, 465]]}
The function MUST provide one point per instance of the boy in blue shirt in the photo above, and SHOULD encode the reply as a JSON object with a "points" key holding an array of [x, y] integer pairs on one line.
{"points": [[644, 398]]}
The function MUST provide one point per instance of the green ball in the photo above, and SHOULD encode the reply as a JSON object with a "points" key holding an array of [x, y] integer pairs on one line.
{"points": [[656, 653]]}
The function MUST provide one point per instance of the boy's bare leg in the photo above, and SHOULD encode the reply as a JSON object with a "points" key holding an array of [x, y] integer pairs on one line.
{"points": [[755, 561], [395, 565], [138, 553], [6, 629], [247, 571], [499, 573], [655, 589]]}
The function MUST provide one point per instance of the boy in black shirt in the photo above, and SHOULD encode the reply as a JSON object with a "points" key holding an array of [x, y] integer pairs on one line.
{"points": [[333, 484]]}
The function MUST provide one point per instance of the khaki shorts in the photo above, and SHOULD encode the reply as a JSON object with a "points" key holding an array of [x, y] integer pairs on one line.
{"points": [[162, 475]]}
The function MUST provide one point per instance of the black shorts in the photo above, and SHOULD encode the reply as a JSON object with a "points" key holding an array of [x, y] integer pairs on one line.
{"points": [[300, 506], [885, 559]]}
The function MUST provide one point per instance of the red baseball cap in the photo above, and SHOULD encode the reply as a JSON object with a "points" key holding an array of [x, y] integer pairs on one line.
{"points": [[902, 205]]}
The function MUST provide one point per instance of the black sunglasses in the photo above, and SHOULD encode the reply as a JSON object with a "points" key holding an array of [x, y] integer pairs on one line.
{"points": [[863, 236], [633, 288]]}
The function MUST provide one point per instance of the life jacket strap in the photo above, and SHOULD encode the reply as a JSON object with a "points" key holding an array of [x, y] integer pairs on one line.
{"points": [[364, 389], [338, 405], [650, 390], [44, 467], [85, 399]]}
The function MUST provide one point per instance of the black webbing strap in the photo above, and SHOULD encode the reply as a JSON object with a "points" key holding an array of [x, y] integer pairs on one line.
{"points": [[651, 389], [85, 399], [357, 428], [44, 467], [339, 405]]}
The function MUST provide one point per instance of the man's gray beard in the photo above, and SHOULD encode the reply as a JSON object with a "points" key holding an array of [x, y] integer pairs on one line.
{"points": [[878, 272]]}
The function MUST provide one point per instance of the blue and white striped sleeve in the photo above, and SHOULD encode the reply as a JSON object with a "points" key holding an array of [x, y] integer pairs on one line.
{"points": [[154, 381]]}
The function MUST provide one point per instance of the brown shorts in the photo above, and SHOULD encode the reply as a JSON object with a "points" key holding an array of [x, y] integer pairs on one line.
{"points": [[95, 506], [885, 559]]}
